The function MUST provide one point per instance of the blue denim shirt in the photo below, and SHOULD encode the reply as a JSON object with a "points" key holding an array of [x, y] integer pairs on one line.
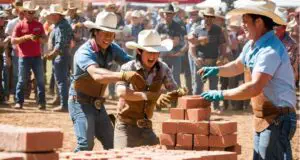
{"points": [[61, 36], [268, 55], [88, 54]]}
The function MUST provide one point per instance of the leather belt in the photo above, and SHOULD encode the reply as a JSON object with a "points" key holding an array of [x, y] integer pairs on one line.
{"points": [[285, 110], [97, 101]]}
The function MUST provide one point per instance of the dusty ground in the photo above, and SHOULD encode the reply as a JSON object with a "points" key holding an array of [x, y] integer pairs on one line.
{"points": [[31, 117]]}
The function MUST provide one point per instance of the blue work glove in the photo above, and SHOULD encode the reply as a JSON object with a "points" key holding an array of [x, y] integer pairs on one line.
{"points": [[213, 95], [206, 72]]}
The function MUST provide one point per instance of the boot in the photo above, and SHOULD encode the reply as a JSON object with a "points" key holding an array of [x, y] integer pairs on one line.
{"points": [[55, 100]]}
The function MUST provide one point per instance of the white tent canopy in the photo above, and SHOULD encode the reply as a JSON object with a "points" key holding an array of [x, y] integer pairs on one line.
{"points": [[279, 3]]}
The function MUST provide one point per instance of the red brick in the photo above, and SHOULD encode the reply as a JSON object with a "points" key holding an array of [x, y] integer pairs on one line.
{"points": [[198, 114], [200, 148], [184, 140], [169, 127], [225, 155], [217, 148], [18, 139], [34, 156], [195, 101], [222, 128], [193, 127], [200, 140], [10, 156], [236, 148], [183, 148], [222, 141], [167, 139], [177, 113], [168, 147]]}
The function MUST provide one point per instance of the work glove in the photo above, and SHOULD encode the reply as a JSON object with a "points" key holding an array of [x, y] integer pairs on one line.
{"points": [[213, 95], [135, 79], [206, 72], [163, 101]]}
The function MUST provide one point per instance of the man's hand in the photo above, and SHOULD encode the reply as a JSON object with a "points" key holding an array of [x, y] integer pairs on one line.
{"points": [[135, 79], [199, 61], [213, 95], [50, 55], [27, 37], [206, 72], [163, 101]]}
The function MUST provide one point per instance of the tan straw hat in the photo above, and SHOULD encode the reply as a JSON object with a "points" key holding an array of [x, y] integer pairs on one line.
{"points": [[29, 6], [55, 9], [106, 21], [259, 7], [209, 12], [150, 41]]}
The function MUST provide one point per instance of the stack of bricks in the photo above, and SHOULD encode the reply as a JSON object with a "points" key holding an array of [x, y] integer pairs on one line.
{"points": [[148, 153], [190, 128], [17, 143]]}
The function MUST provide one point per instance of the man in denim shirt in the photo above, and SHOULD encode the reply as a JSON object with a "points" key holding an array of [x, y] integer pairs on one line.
{"points": [[269, 82], [92, 62], [60, 37]]}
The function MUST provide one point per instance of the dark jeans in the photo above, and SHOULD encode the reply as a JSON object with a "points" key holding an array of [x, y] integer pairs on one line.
{"points": [[1, 78], [274, 142], [25, 65], [132, 136], [89, 123]]}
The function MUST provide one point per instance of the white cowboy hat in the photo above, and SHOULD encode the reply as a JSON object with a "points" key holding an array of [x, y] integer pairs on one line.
{"points": [[71, 5], [192, 8], [136, 13], [282, 13], [29, 6], [44, 13], [150, 41], [259, 7], [209, 11], [106, 21], [55, 9]]}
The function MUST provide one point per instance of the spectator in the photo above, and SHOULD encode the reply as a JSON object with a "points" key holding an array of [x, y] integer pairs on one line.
{"points": [[28, 36]]}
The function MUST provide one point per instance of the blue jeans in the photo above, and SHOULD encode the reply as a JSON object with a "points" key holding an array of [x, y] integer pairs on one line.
{"points": [[25, 64], [187, 71], [15, 70], [213, 80], [175, 64], [61, 73], [274, 142], [89, 123]]}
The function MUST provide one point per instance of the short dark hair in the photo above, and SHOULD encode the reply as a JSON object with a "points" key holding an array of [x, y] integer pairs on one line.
{"points": [[138, 57], [269, 23], [92, 31]]}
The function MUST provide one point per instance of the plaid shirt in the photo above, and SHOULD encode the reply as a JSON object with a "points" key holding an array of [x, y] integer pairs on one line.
{"points": [[160, 68]]}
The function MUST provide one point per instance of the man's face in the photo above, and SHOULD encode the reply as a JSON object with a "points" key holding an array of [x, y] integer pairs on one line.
{"points": [[149, 58], [279, 30], [249, 27], [193, 16], [29, 15], [72, 12], [169, 17], [104, 38], [135, 20], [209, 20], [54, 18]]}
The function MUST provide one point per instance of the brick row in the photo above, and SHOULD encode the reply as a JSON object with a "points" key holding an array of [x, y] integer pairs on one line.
{"points": [[189, 102], [28, 156], [18, 139]]}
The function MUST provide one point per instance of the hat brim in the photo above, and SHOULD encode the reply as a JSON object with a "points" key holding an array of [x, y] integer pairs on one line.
{"points": [[256, 10], [50, 13], [165, 46], [92, 25], [27, 9]]}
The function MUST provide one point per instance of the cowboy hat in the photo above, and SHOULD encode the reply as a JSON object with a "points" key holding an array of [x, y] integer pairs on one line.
{"points": [[3, 14], [259, 7], [106, 21], [209, 12], [71, 5], [18, 3], [149, 40], [169, 8], [191, 9], [136, 13], [55, 9], [282, 13], [30, 6]]}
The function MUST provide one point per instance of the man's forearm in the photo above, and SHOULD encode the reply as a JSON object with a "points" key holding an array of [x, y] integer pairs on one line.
{"points": [[105, 76], [243, 92], [231, 69], [18, 40]]}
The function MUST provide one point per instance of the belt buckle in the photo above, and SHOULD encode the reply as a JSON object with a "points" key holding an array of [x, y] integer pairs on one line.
{"points": [[98, 104], [144, 123]]}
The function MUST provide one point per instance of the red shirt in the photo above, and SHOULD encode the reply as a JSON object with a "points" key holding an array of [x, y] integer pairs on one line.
{"points": [[29, 48]]}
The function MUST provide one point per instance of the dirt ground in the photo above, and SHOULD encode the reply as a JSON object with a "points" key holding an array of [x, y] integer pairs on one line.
{"points": [[30, 116]]}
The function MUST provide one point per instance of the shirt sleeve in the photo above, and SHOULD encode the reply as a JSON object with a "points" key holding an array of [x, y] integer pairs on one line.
{"points": [[168, 80], [16, 31], [9, 28], [267, 62], [242, 55], [84, 59], [121, 56], [61, 39]]}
